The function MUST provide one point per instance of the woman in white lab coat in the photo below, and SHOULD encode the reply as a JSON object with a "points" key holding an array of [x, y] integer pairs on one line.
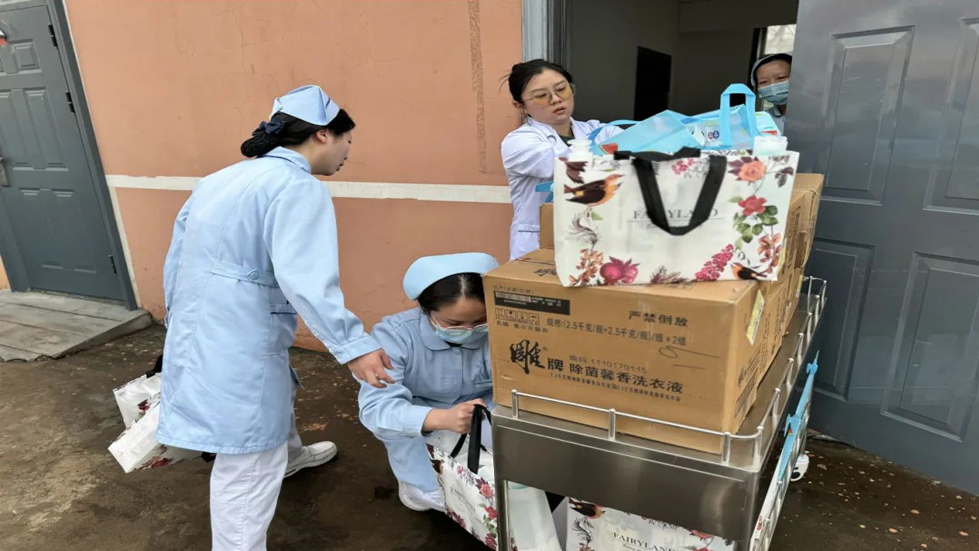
{"points": [[543, 92], [441, 368]]}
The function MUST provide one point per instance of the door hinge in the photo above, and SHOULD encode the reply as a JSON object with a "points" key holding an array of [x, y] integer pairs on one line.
{"points": [[112, 260], [71, 103], [54, 37]]}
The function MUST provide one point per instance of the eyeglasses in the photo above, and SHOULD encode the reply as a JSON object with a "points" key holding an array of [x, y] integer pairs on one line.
{"points": [[460, 330], [543, 97]]}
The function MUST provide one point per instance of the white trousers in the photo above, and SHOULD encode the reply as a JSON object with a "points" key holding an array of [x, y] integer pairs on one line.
{"points": [[244, 492]]}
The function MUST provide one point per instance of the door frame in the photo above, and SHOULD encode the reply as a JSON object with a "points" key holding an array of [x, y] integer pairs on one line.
{"points": [[546, 32], [16, 272]]}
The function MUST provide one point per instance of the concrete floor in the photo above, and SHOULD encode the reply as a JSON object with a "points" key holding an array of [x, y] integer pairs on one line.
{"points": [[60, 488], [42, 325]]}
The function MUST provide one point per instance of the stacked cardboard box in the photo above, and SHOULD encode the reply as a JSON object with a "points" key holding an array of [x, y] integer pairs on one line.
{"points": [[687, 353]]}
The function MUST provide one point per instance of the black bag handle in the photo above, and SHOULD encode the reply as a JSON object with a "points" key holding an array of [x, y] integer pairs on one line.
{"points": [[157, 367], [646, 173], [475, 438]]}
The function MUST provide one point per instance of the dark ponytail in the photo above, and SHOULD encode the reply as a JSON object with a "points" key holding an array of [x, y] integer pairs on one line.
{"points": [[285, 130]]}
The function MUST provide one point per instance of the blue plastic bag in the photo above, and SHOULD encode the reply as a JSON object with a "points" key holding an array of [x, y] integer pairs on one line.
{"points": [[663, 133], [731, 128]]}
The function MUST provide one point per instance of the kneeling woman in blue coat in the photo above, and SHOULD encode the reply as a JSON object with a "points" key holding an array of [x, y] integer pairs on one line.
{"points": [[441, 368]]}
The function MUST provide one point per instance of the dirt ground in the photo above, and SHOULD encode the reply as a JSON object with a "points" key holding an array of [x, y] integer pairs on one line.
{"points": [[60, 488]]}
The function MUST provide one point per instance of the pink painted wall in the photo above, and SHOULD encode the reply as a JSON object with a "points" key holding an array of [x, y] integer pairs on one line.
{"points": [[189, 80]]}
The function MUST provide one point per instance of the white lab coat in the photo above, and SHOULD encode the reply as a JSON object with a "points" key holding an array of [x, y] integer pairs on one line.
{"points": [[529, 153]]}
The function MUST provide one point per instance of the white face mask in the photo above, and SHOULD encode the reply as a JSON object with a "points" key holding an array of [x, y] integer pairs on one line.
{"points": [[777, 93], [459, 335]]}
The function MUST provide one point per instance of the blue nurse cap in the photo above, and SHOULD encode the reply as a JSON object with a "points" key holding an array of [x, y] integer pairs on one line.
{"points": [[427, 270], [308, 103]]}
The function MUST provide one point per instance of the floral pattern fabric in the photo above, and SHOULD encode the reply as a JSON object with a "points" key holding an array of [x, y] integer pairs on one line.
{"points": [[137, 449], [593, 527], [470, 501], [604, 237]]}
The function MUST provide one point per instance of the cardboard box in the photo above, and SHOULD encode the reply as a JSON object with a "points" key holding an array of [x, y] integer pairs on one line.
{"points": [[810, 188], [686, 353], [547, 226]]}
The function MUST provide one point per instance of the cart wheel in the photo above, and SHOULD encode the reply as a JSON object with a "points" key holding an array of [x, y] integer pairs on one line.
{"points": [[801, 466]]}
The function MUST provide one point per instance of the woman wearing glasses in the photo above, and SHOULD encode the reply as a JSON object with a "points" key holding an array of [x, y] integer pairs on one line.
{"points": [[543, 92], [441, 368]]}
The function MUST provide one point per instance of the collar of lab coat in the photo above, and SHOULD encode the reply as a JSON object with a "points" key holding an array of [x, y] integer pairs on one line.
{"points": [[549, 130], [291, 156], [433, 342]]}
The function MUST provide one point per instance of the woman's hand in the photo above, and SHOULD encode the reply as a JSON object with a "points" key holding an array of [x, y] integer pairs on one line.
{"points": [[370, 369], [457, 419]]}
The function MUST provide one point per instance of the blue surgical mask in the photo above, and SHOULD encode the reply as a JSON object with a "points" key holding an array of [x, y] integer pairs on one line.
{"points": [[777, 94], [460, 335]]}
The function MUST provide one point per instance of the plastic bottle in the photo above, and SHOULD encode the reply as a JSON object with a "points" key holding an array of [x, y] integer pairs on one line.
{"points": [[580, 150], [770, 145]]}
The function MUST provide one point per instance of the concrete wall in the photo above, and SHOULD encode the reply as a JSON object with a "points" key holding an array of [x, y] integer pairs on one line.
{"points": [[189, 80], [714, 47], [605, 37]]}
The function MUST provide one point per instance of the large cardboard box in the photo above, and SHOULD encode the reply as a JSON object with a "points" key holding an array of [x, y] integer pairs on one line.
{"points": [[686, 353], [809, 187]]}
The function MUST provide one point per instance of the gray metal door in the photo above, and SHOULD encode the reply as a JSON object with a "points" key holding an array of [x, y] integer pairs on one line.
{"points": [[885, 102], [58, 237]]}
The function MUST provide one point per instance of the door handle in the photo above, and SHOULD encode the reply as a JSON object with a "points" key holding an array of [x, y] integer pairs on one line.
{"points": [[3, 175]]}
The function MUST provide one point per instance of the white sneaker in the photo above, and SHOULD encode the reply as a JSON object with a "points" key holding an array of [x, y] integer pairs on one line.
{"points": [[416, 499], [312, 455]]}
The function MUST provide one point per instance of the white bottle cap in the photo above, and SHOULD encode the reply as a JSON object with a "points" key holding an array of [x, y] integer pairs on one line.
{"points": [[580, 150], [769, 145]]}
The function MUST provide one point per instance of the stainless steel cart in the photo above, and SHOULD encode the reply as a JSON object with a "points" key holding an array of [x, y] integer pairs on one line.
{"points": [[716, 494]]}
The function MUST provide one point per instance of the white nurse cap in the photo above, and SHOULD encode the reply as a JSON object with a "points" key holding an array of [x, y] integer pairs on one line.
{"points": [[308, 103], [427, 270]]}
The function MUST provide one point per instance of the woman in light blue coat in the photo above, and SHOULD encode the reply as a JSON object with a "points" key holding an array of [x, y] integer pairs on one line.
{"points": [[543, 92], [441, 367], [254, 245]]}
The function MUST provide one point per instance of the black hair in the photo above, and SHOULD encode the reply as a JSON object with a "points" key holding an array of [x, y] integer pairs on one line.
{"points": [[288, 130], [448, 290], [521, 74]]}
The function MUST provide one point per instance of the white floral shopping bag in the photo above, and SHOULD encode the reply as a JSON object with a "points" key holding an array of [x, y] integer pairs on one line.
{"points": [[137, 448], [468, 486], [592, 527], [130, 395], [641, 218]]}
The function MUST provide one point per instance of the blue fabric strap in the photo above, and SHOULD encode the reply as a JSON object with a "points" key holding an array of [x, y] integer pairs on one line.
{"points": [[546, 187]]}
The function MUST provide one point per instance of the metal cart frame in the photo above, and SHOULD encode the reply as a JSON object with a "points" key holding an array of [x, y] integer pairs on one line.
{"points": [[716, 494]]}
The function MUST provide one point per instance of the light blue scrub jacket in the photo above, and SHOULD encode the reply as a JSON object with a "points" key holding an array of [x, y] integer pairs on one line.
{"points": [[429, 373], [255, 244]]}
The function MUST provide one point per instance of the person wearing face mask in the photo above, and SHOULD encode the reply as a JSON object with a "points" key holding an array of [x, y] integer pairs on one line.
{"points": [[254, 245], [441, 368], [543, 92], [770, 79]]}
